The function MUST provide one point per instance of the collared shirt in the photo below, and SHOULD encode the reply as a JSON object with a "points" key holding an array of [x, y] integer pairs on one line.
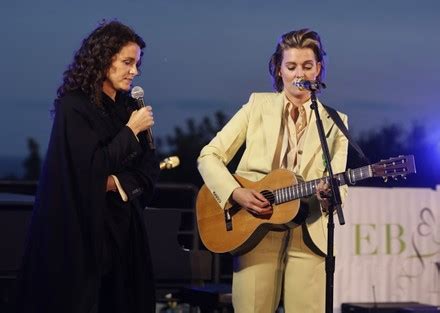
{"points": [[291, 148]]}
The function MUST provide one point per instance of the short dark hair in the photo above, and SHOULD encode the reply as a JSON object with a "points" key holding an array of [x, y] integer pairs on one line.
{"points": [[91, 62], [300, 39]]}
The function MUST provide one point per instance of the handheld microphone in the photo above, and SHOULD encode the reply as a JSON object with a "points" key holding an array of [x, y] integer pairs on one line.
{"points": [[137, 93], [311, 85]]}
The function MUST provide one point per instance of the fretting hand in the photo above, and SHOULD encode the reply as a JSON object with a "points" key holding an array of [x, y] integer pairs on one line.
{"points": [[323, 193]]}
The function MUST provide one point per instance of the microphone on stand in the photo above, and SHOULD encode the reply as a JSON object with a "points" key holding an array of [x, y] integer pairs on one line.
{"points": [[137, 93], [311, 85]]}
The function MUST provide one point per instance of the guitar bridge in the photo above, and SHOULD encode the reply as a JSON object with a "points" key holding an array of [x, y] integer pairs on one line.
{"points": [[228, 220]]}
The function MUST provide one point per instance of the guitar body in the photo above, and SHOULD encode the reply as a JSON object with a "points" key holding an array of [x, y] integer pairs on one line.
{"points": [[247, 228], [243, 230]]}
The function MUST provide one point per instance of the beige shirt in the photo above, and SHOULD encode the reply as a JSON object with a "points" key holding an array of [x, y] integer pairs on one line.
{"points": [[288, 139]]}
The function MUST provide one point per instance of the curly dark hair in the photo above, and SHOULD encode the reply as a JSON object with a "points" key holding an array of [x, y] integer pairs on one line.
{"points": [[300, 39], [91, 62]]}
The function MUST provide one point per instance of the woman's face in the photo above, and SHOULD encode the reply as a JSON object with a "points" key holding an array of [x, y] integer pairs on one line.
{"points": [[298, 64], [123, 70]]}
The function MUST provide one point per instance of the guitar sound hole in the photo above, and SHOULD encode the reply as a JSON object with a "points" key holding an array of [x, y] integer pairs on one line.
{"points": [[269, 196]]}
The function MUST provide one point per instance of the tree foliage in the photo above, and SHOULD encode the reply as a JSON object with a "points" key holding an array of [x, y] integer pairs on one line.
{"points": [[186, 144], [32, 163], [382, 143], [391, 141]]}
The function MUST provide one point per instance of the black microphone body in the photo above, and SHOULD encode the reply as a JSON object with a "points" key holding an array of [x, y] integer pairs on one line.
{"points": [[137, 93], [148, 132], [311, 85]]}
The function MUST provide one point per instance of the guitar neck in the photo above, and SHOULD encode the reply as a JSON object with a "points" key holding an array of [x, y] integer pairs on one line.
{"points": [[305, 189]]}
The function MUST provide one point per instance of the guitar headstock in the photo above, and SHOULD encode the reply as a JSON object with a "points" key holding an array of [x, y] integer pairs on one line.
{"points": [[394, 167]]}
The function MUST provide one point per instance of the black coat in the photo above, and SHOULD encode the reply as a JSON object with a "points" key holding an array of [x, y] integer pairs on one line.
{"points": [[87, 250]]}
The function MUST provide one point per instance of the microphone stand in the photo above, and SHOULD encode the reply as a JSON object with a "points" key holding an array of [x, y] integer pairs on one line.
{"points": [[335, 204]]}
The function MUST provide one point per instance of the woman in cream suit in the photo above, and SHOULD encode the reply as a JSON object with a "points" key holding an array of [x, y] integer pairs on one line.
{"points": [[279, 131]]}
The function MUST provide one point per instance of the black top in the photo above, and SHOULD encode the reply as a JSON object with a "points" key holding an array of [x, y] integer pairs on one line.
{"points": [[87, 249]]}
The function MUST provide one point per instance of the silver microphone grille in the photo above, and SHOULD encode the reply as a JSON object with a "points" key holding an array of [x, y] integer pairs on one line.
{"points": [[137, 92], [299, 82]]}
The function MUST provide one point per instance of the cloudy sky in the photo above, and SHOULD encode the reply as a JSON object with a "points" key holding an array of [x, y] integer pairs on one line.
{"points": [[206, 55]]}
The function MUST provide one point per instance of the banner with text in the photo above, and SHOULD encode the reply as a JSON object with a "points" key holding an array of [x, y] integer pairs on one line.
{"points": [[389, 248]]}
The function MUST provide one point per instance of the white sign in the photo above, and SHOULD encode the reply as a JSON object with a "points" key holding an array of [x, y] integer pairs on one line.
{"points": [[389, 249]]}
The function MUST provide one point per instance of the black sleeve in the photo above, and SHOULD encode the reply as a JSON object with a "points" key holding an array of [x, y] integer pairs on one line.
{"points": [[140, 179], [123, 147], [132, 161]]}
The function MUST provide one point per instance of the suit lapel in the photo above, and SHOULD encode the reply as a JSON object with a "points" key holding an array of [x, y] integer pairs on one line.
{"points": [[272, 111], [312, 142]]}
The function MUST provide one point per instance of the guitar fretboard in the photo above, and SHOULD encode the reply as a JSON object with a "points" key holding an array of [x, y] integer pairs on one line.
{"points": [[305, 189]]}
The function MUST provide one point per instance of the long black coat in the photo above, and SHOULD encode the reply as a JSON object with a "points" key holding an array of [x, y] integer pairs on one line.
{"points": [[87, 250]]}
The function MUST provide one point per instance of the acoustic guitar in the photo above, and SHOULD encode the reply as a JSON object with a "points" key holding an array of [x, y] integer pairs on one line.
{"points": [[237, 230]]}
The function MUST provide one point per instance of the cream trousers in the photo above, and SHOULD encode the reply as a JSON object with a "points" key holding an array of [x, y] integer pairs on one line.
{"points": [[281, 264]]}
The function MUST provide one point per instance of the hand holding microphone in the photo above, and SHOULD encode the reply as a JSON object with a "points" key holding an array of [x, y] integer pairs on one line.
{"points": [[142, 118]]}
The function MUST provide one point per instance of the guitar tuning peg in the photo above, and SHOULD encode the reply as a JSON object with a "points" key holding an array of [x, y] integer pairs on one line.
{"points": [[403, 176], [396, 178], [385, 179]]}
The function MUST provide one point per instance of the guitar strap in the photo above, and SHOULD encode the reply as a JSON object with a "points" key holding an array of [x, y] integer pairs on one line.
{"points": [[338, 121]]}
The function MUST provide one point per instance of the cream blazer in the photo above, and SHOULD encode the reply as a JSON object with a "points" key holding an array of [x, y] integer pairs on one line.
{"points": [[258, 125]]}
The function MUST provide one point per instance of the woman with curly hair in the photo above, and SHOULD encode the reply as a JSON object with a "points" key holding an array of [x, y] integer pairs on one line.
{"points": [[87, 248]]}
